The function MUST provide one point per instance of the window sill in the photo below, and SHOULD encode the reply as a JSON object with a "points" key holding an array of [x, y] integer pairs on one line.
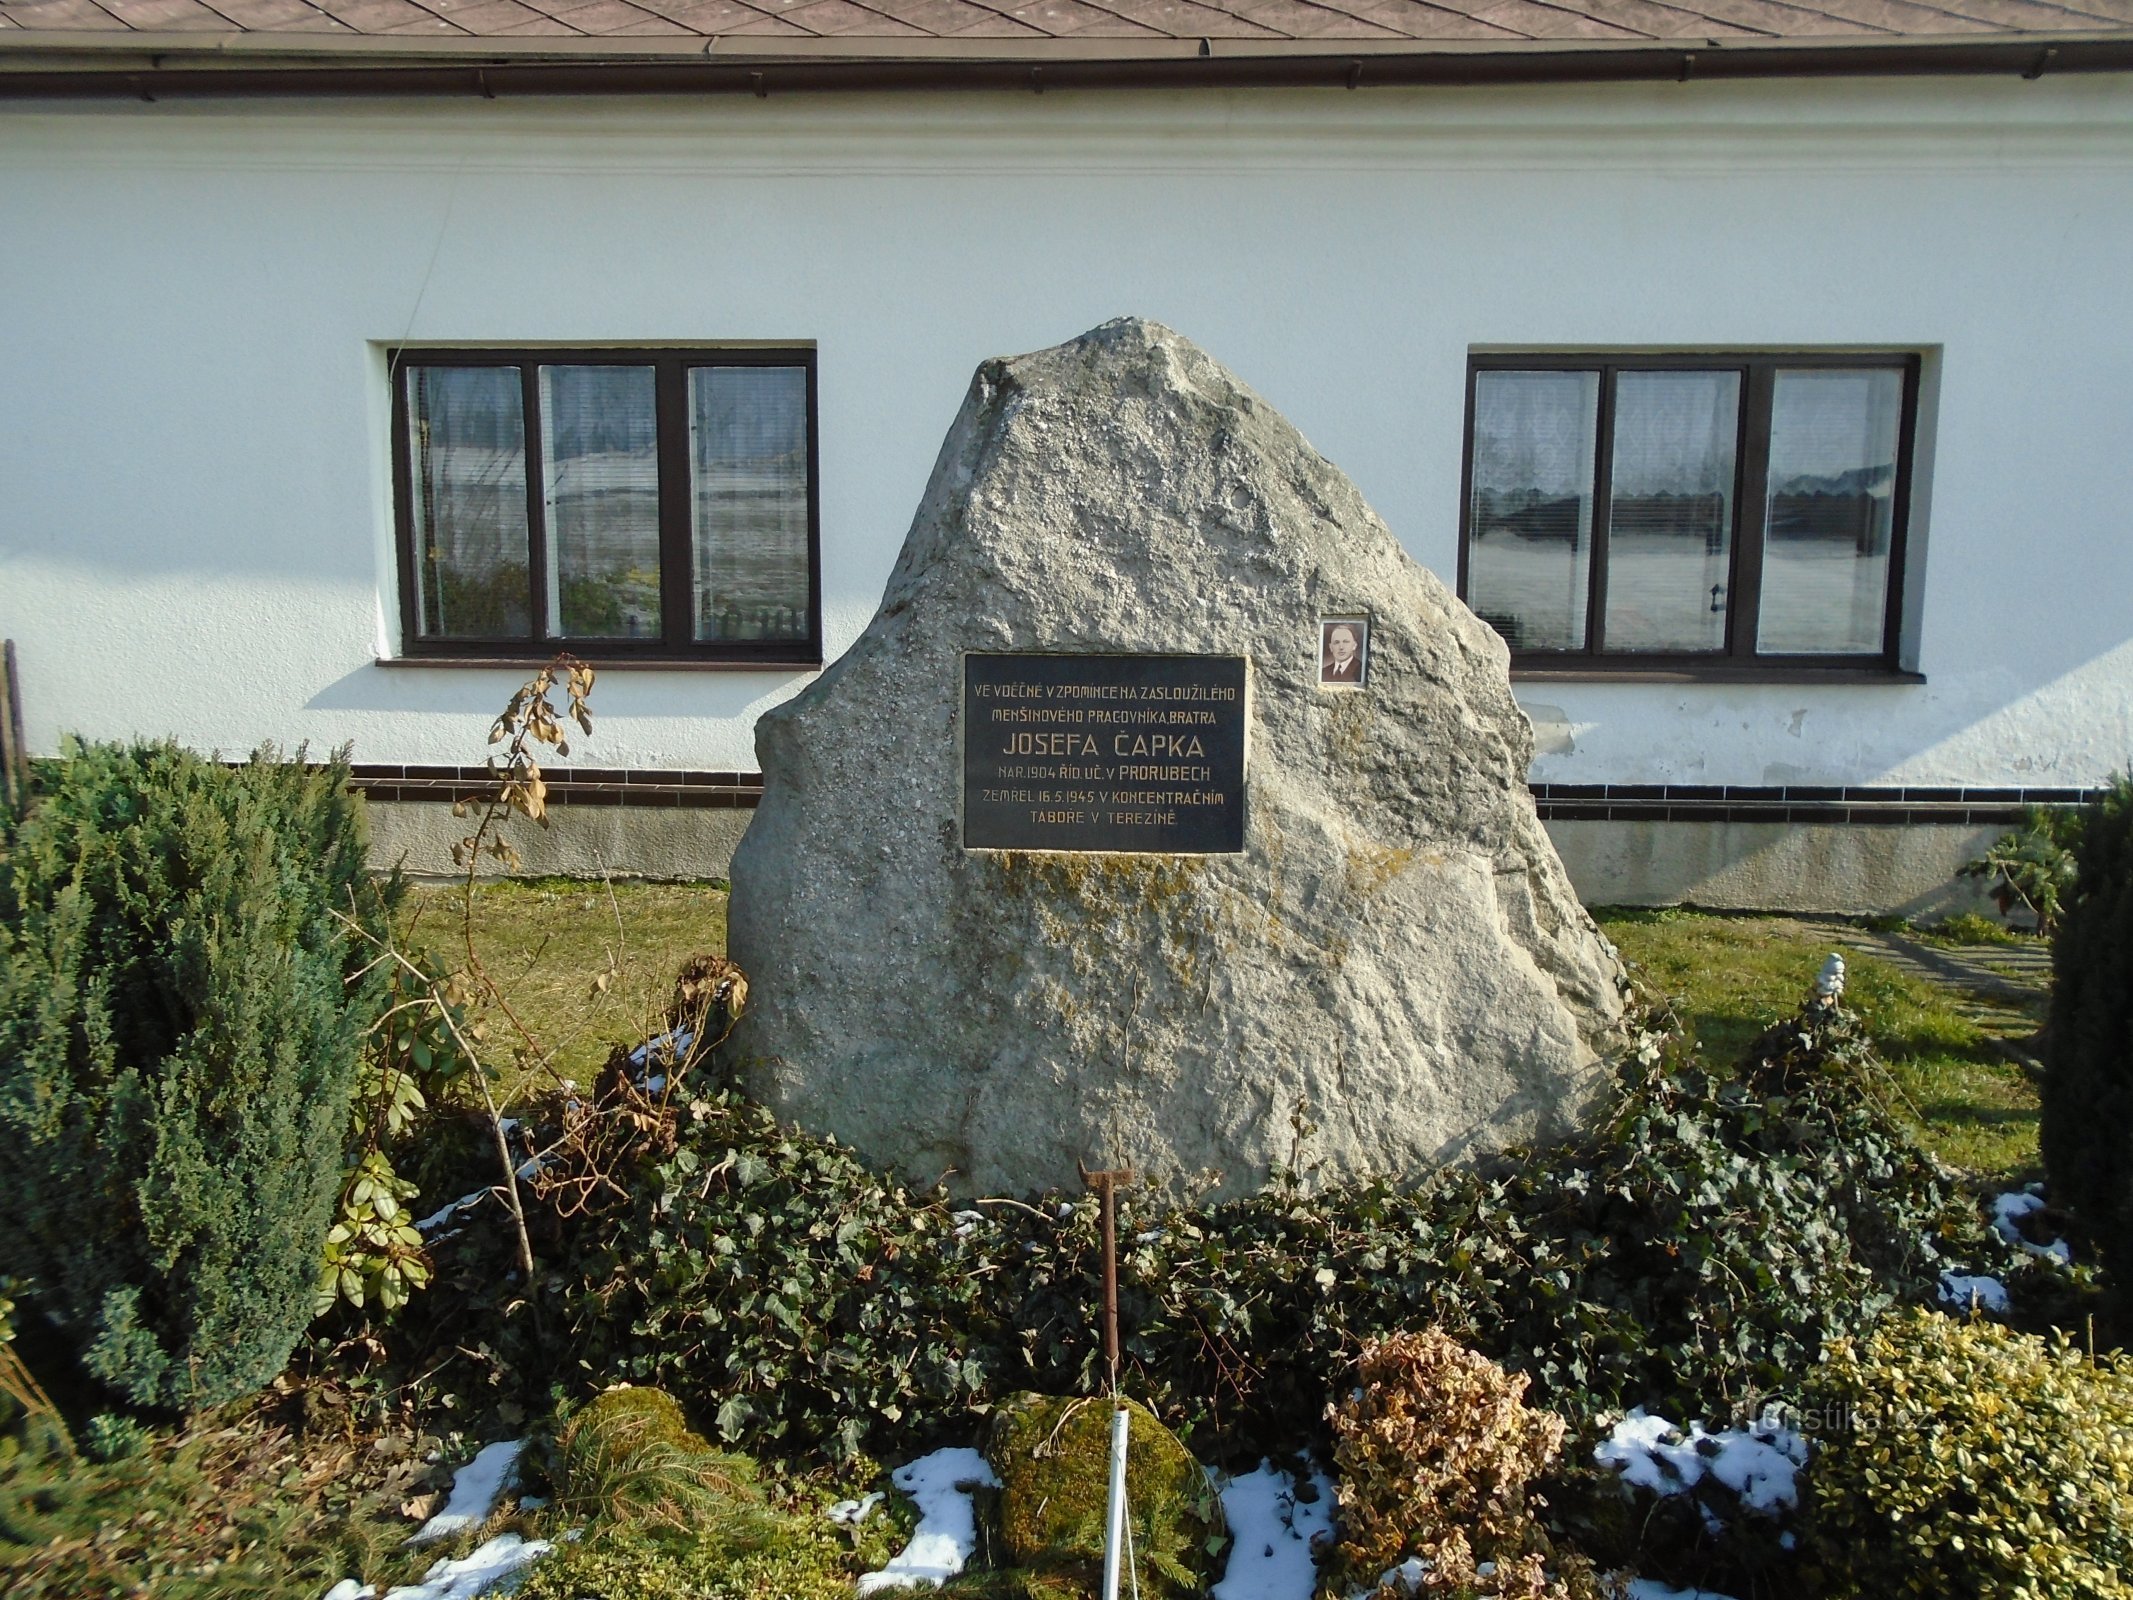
{"points": [[1716, 673], [533, 663]]}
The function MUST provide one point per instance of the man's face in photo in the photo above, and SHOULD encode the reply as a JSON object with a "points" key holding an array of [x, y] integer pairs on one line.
{"points": [[1341, 643]]}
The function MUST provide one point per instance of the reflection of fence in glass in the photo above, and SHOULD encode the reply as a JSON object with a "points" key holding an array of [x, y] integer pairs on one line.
{"points": [[466, 437], [1831, 513], [1826, 574], [603, 515], [1527, 561], [751, 576], [1669, 560], [600, 461], [1530, 520], [748, 502]]}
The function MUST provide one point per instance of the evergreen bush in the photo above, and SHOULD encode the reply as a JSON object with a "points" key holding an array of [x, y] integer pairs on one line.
{"points": [[806, 1560], [181, 1016], [1965, 1461], [629, 1455], [2087, 1123]]}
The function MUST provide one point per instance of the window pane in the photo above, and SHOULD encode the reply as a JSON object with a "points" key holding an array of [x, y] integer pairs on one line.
{"points": [[600, 466], [1670, 519], [1833, 439], [1529, 529], [748, 501], [466, 431]]}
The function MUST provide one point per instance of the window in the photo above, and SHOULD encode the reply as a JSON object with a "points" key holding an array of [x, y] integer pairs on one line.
{"points": [[1698, 514], [659, 505]]}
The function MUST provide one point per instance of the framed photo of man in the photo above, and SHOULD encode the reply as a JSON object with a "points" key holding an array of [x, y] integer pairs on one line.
{"points": [[1343, 652]]}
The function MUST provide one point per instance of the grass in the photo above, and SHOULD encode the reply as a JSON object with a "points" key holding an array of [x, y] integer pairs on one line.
{"points": [[547, 942], [1729, 977], [281, 1497], [241, 1505], [1969, 928]]}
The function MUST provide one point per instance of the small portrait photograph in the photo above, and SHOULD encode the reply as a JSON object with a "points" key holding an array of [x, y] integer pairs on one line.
{"points": [[1343, 652]]}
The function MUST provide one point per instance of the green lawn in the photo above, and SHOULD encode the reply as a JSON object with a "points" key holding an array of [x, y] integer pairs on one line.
{"points": [[547, 941], [1729, 977], [285, 1494]]}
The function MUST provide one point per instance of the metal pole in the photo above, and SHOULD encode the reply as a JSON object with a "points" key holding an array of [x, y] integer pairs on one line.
{"points": [[1109, 1196], [1106, 1186], [1115, 1512], [14, 759]]}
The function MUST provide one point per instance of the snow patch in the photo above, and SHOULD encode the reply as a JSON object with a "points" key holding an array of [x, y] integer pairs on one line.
{"points": [[2009, 1208], [496, 1568], [947, 1533], [1653, 1589], [669, 1045], [440, 1217], [1961, 1289], [1760, 1465], [1275, 1538], [475, 1490], [851, 1513], [1408, 1575]]}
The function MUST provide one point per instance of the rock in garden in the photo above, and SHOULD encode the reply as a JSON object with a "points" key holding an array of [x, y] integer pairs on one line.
{"points": [[1167, 814]]}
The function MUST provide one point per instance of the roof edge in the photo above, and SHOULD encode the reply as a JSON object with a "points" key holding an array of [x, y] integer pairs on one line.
{"points": [[55, 65]]}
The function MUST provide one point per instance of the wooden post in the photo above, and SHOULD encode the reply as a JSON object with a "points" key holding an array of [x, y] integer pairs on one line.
{"points": [[14, 756]]}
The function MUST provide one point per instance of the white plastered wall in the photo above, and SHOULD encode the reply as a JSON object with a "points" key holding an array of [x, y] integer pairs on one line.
{"points": [[195, 527]]}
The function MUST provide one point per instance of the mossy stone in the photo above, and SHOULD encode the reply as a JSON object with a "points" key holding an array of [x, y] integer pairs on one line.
{"points": [[1053, 1460]]}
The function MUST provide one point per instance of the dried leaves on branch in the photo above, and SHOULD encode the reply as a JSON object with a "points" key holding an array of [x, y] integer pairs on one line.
{"points": [[428, 1042], [431, 1047], [529, 720]]}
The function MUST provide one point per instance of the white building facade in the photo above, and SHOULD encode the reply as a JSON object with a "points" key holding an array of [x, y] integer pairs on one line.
{"points": [[210, 516]]}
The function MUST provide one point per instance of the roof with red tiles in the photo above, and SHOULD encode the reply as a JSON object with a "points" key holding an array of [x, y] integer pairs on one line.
{"points": [[885, 22]]}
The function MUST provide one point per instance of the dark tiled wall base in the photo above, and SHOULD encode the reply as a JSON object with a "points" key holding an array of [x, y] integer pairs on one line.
{"points": [[1885, 804], [1567, 802], [570, 786]]}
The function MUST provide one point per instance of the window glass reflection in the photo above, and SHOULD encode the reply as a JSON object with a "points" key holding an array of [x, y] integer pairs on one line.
{"points": [[1670, 510], [600, 471], [748, 501], [1529, 550], [1831, 512], [466, 431]]}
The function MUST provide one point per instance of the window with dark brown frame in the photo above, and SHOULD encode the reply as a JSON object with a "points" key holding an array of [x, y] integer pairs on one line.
{"points": [[1708, 515], [655, 505]]}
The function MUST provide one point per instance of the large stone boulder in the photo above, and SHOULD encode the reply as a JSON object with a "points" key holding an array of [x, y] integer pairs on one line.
{"points": [[1394, 963]]}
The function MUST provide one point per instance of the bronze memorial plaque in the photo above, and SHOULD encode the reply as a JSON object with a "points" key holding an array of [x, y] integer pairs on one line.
{"points": [[1103, 752]]}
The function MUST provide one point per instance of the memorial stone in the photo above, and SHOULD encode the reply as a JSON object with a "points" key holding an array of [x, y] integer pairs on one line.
{"points": [[1165, 807]]}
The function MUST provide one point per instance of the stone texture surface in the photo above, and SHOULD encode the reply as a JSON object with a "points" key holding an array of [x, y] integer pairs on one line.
{"points": [[1397, 949]]}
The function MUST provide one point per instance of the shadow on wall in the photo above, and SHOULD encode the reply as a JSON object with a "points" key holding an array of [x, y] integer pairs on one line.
{"points": [[1846, 869], [1967, 726], [480, 691], [667, 846]]}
